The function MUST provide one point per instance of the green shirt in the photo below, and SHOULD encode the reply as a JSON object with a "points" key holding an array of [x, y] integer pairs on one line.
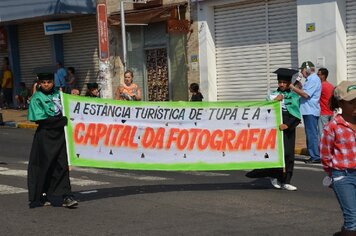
{"points": [[291, 101], [44, 105]]}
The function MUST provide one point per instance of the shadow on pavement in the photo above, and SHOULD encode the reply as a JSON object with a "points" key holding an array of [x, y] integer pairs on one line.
{"points": [[89, 195]]}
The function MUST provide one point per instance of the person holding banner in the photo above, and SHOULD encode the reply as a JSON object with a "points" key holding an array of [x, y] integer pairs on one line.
{"points": [[48, 170], [128, 91], [291, 118]]}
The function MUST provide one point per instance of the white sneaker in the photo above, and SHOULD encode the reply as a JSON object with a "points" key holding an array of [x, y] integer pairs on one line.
{"points": [[275, 183], [289, 187]]}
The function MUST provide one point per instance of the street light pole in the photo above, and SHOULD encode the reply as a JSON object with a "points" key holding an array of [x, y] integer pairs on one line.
{"points": [[123, 29], [123, 33]]}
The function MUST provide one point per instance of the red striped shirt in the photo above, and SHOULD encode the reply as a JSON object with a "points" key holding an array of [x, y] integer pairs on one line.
{"points": [[338, 145]]}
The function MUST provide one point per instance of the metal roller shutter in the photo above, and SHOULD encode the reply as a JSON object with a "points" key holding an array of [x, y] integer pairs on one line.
{"points": [[3, 53], [283, 37], [252, 40], [351, 38], [81, 50], [35, 50]]}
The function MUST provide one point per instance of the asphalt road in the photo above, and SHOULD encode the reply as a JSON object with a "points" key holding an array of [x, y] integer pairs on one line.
{"points": [[123, 202]]}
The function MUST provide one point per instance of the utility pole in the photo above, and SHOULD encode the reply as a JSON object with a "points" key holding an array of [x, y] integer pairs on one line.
{"points": [[123, 28], [123, 35], [104, 78]]}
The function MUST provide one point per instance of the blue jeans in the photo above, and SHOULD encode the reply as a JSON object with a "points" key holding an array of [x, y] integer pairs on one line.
{"points": [[344, 186], [311, 134], [323, 120]]}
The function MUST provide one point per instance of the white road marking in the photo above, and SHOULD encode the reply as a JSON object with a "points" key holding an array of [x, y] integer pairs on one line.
{"points": [[312, 167], [74, 181], [119, 175], [7, 171], [88, 192], [22, 162], [309, 168], [85, 182], [5, 189]]}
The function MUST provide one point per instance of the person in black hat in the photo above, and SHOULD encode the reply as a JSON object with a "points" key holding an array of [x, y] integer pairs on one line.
{"points": [[48, 171], [93, 90], [291, 118]]}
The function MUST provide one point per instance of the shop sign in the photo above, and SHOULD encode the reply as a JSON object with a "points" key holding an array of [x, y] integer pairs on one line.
{"points": [[102, 32], [57, 27], [3, 38], [310, 27], [175, 26]]}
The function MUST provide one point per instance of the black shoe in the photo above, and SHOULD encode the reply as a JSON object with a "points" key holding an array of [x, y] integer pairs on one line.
{"points": [[34, 204], [69, 202], [44, 200], [309, 161]]}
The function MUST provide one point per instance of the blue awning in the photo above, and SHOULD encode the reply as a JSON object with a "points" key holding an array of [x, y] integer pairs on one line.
{"points": [[11, 10]]}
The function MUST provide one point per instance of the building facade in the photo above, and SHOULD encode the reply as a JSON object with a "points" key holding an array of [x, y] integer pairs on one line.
{"points": [[158, 56], [34, 38], [229, 47], [242, 42]]}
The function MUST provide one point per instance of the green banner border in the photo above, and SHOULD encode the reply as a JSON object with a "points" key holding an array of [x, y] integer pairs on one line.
{"points": [[200, 166]]}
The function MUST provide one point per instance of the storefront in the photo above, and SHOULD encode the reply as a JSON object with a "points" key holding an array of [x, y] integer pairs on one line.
{"points": [[35, 50], [157, 57], [80, 50], [77, 49], [32, 46], [244, 43]]}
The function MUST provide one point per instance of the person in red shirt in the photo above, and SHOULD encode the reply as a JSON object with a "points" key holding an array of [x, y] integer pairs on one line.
{"points": [[326, 92], [338, 152]]}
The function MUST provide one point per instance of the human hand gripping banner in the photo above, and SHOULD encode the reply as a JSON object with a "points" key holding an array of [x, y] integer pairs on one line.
{"points": [[173, 135]]}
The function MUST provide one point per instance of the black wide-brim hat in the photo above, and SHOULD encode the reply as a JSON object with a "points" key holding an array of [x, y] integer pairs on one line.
{"points": [[285, 74], [45, 72], [45, 76], [92, 85]]}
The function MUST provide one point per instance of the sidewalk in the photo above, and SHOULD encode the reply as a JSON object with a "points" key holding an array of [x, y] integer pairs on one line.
{"points": [[18, 119]]}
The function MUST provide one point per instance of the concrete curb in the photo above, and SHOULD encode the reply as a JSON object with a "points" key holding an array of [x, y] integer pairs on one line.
{"points": [[301, 151], [10, 124], [26, 125], [22, 125]]}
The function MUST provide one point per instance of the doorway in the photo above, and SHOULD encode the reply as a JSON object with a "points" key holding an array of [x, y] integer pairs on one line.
{"points": [[157, 74]]}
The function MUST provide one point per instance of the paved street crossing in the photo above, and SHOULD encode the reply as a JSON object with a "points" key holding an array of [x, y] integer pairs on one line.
{"points": [[87, 179]]}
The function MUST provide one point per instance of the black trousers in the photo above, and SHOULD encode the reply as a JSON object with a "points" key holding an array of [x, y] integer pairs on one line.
{"points": [[7, 96], [48, 170], [284, 176]]}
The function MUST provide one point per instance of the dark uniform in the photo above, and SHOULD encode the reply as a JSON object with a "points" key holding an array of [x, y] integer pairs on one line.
{"points": [[48, 171], [291, 118]]}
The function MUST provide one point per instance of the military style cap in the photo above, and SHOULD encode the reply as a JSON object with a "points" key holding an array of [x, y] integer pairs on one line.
{"points": [[45, 76], [346, 90], [285, 74], [92, 85], [307, 64]]}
